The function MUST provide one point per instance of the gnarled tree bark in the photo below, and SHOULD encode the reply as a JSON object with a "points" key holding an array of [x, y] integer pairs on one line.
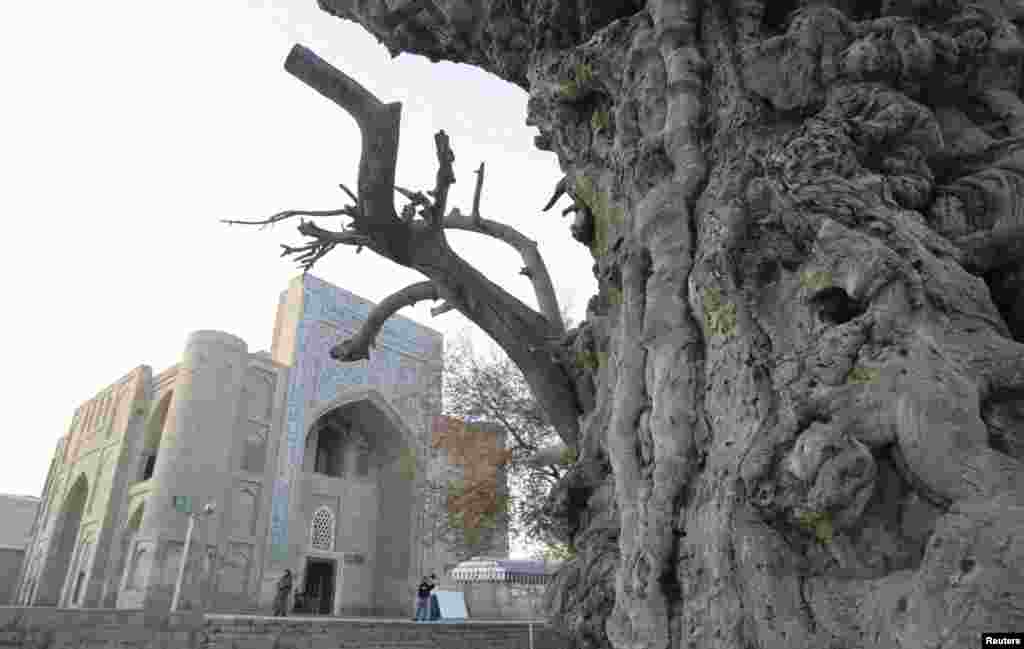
{"points": [[807, 354]]}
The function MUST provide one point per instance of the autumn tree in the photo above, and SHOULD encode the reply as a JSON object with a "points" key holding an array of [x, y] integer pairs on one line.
{"points": [[806, 350], [471, 492], [488, 387]]}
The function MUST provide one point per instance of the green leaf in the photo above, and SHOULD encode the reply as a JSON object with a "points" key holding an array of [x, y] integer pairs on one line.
{"points": [[568, 456], [820, 523], [863, 375], [815, 280], [719, 315]]}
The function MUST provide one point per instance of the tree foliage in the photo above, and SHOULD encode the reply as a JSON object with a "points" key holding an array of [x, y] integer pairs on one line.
{"points": [[488, 387], [472, 493]]}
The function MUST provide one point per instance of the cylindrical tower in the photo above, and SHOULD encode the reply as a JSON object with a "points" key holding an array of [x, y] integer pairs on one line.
{"points": [[194, 459]]}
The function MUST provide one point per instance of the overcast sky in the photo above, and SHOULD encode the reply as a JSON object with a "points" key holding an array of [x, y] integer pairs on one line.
{"points": [[128, 129]]}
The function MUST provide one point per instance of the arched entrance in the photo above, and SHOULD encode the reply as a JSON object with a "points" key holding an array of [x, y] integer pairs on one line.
{"points": [[62, 545], [357, 480]]}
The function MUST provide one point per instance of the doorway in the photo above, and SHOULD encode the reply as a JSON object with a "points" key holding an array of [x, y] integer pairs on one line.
{"points": [[318, 595]]}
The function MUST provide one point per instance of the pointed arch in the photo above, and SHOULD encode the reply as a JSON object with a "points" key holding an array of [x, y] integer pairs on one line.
{"points": [[362, 427], [373, 398], [57, 564]]}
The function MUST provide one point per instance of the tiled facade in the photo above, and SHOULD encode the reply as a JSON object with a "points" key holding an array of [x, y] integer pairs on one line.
{"points": [[276, 440]]}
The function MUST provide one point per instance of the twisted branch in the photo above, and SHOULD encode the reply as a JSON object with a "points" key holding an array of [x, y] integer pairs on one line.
{"points": [[379, 126], [357, 347], [444, 308], [324, 242], [445, 178], [522, 332], [535, 268], [287, 214], [560, 189]]}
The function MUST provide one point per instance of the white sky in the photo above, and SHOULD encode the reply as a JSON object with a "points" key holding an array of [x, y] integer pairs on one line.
{"points": [[128, 129]]}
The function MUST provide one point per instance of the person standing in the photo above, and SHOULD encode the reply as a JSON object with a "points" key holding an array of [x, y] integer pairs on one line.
{"points": [[284, 590], [423, 600], [435, 608]]}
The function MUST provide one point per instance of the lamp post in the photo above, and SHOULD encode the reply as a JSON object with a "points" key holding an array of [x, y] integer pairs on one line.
{"points": [[340, 588], [208, 509]]}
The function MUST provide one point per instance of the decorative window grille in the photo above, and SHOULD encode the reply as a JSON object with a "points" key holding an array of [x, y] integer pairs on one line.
{"points": [[321, 534]]}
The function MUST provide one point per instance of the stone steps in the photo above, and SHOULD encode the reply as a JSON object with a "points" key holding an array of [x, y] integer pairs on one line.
{"points": [[35, 628]]}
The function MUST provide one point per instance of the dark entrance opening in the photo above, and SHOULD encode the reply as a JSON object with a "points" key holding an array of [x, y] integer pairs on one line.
{"points": [[318, 596]]}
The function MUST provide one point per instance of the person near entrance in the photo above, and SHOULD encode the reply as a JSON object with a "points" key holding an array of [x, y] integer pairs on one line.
{"points": [[284, 590], [423, 598]]}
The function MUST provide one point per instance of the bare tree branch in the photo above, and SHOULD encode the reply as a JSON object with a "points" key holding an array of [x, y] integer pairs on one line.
{"points": [[358, 347], [445, 178], [349, 237], [417, 200], [560, 189], [348, 191], [478, 191], [444, 308], [535, 269], [379, 125], [323, 242], [287, 214], [308, 254], [524, 334]]}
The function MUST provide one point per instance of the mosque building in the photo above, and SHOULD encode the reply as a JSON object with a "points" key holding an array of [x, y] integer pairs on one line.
{"points": [[312, 465]]}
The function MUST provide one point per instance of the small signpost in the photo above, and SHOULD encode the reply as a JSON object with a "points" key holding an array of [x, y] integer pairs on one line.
{"points": [[183, 504]]}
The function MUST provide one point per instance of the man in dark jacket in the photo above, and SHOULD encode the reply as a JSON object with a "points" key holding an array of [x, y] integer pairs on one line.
{"points": [[435, 608], [423, 600], [284, 590]]}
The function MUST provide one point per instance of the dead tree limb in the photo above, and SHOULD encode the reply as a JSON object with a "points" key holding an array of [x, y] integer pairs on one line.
{"points": [[536, 269], [288, 214], [524, 334], [357, 347], [444, 308], [445, 178], [379, 125]]}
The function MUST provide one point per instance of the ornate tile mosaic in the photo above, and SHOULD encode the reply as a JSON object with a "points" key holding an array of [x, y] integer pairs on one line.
{"points": [[405, 351]]}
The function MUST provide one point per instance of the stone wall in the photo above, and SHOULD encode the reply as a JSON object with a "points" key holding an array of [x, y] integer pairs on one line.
{"points": [[489, 600], [18, 514], [103, 628], [10, 566]]}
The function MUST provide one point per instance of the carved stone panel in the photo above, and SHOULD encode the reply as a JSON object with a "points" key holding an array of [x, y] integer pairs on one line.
{"points": [[235, 578], [141, 563], [258, 394], [245, 510], [254, 448]]}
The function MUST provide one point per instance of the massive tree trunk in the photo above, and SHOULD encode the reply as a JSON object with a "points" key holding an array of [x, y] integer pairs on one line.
{"points": [[806, 219]]}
